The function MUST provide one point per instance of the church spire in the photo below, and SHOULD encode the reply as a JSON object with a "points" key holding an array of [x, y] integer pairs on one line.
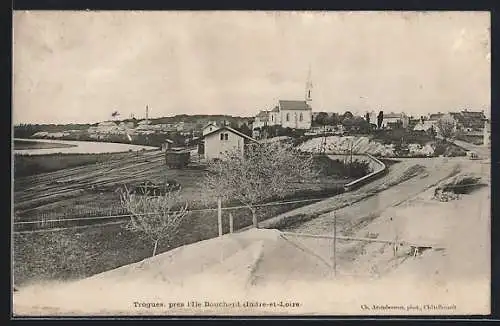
{"points": [[309, 86]]}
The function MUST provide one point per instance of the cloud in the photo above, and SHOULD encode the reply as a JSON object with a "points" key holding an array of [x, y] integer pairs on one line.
{"points": [[83, 65]]}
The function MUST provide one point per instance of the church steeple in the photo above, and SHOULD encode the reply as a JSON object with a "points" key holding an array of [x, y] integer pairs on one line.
{"points": [[309, 86]]}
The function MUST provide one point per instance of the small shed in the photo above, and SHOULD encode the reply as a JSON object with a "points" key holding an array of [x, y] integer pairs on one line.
{"points": [[167, 145], [177, 159]]}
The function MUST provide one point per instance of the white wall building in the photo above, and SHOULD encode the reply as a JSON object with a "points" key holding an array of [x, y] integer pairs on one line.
{"points": [[222, 140], [289, 114], [392, 119], [209, 128]]}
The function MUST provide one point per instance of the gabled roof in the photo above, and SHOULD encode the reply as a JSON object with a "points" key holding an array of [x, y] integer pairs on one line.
{"points": [[435, 116], [394, 115], [233, 131], [210, 124], [263, 114], [470, 119], [294, 105]]}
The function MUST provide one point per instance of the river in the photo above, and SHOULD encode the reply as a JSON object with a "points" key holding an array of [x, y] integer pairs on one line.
{"points": [[79, 147]]}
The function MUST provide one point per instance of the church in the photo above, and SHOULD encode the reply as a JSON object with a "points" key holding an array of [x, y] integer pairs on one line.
{"points": [[289, 113]]}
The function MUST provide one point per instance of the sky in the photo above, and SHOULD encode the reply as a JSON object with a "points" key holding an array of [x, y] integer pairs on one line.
{"points": [[79, 67]]}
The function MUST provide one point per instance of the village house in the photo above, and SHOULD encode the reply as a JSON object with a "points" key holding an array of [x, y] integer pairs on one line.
{"points": [[428, 122], [424, 125], [261, 121], [220, 141], [433, 118], [467, 121], [394, 120], [209, 128]]}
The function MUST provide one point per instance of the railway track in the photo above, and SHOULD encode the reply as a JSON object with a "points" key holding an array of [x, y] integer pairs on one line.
{"points": [[33, 181], [59, 189], [43, 185]]}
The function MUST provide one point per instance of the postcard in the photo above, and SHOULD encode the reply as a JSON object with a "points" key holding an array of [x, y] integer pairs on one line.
{"points": [[251, 163]]}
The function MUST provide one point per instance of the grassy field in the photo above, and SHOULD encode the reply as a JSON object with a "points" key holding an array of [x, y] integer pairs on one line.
{"points": [[26, 144], [81, 252], [92, 190]]}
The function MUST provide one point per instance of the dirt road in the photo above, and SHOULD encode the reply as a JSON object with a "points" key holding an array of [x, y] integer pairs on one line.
{"points": [[353, 208]]}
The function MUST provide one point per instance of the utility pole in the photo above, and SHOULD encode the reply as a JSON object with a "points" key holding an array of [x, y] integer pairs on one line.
{"points": [[323, 141], [219, 216], [334, 244], [231, 223]]}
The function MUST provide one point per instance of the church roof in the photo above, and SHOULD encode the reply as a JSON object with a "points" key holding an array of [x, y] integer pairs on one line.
{"points": [[294, 105]]}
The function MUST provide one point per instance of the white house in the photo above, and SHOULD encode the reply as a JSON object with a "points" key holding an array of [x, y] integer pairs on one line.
{"points": [[261, 120], [424, 125], [392, 120], [209, 128], [225, 139]]}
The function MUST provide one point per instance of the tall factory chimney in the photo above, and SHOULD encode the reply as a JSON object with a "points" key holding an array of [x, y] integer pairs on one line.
{"points": [[147, 114]]}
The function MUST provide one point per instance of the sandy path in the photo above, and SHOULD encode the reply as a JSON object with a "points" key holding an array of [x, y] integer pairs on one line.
{"points": [[359, 207], [362, 211]]}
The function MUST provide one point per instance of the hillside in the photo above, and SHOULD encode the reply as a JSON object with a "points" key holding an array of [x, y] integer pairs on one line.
{"points": [[27, 130], [368, 145]]}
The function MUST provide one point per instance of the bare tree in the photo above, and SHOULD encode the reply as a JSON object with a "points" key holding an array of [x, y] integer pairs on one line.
{"points": [[266, 171], [445, 128], [154, 217]]}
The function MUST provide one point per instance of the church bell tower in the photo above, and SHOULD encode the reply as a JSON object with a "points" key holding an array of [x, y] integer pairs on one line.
{"points": [[309, 86]]}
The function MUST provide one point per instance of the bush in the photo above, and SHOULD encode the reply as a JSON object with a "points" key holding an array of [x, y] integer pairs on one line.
{"points": [[476, 140], [448, 149], [329, 167], [394, 136]]}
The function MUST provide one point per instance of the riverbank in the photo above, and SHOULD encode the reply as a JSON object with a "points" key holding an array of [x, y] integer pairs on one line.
{"points": [[24, 144], [76, 147]]}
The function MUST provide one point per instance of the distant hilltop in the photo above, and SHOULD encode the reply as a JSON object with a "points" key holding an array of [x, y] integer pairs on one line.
{"points": [[160, 120], [141, 131]]}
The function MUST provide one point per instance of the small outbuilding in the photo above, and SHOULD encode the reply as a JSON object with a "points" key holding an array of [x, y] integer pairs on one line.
{"points": [[222, 140], [167, 145]]}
